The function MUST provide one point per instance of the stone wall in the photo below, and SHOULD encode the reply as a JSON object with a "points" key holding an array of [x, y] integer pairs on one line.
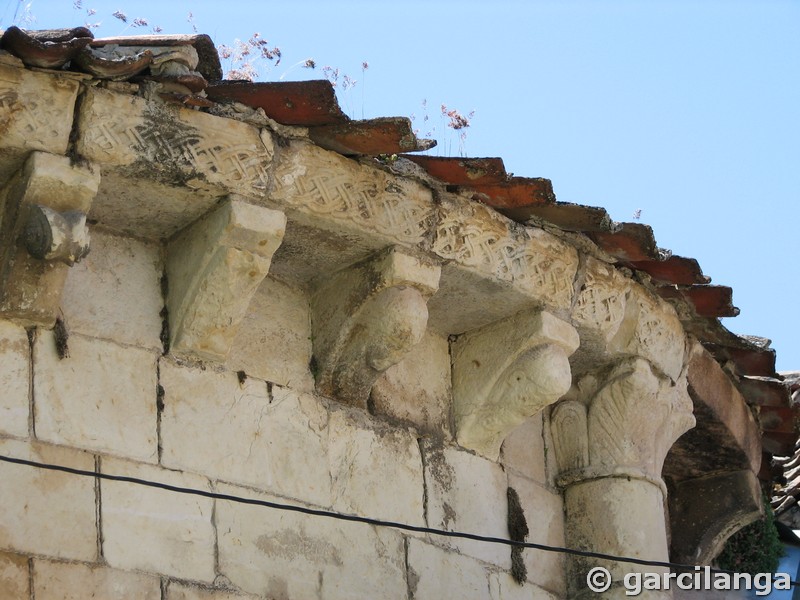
{"points": [[262, 318]]}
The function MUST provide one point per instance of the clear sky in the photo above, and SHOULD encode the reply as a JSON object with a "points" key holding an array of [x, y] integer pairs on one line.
{"points": [[689, 111]]}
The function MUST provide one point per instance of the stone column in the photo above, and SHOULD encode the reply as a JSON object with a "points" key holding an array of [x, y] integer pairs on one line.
{"points": [[610, 441]]}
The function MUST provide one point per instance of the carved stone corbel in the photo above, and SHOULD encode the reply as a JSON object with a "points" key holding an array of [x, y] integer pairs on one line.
{"points": [[213, 269], [42, 232], [506, 372], [366, 318]]}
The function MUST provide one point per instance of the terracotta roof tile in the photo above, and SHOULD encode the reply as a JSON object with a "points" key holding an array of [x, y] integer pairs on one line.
{"points": [[707, 300], [630, 242], [50, 49], [463, 171], [390, 135], [675, 270], [304, 103]]}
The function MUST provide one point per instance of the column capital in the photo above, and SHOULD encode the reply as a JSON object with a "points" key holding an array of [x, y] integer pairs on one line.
{"points": [[621, 424]]}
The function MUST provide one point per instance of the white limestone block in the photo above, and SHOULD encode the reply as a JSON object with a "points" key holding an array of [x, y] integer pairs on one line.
{"points": [[274, 340], [417, 390], [524, 451], [14, 374], [14, 577], [280, 554], [467, 493], [435, 573], [115, 292], [63, 581], [235, 432], [47, 513], [101, 397], [159, 531], [376, 470]]}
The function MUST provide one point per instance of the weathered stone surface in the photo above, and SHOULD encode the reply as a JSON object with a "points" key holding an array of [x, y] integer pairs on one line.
{"points": [[467, 493], [289, 555], [434, 573], [179, 591], [417, 390], [617, 317], [618, 516], [334, 193], [98, 291], [173, 533], [14, 577], [46, 512], [535, 262], [524, 451], [236, 432], [62, 581], [14, 373], [36, 111], [658, 336], [503, 587], [376, 470], [30, 288], [366, 319], [213, 268], [544, 515], [599, 312], [102, 397], [174, 145], [507, 372], [275, 349], [633, 419]]}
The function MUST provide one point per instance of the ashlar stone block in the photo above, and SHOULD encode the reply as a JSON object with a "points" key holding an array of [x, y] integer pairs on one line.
{"points": [[467, 493], [289, 555], [367, 318], [544, 515], [506, 372], [75, 581], [101, 397], [214, 268], [36, 113], [115, 292], [14, 376], [173, 533], [214, 425], [47, 513], [31, 283], [274, 340], [180, 591], [503, 587], [524, 451], [417, 390], [14, 577], [435, 573], [376, 470]]}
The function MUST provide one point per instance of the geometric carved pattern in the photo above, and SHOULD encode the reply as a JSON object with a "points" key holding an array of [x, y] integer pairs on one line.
{"points": [[534, 260], [331, 193], [223, 152]]}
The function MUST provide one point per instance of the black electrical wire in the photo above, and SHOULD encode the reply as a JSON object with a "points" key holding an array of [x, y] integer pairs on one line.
{"points": [[357, 519]]}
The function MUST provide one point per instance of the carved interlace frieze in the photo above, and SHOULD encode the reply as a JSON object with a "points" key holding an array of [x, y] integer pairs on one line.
{"points": [[506, 372], [535, 261], [367, 318], [337, 189], [623, 424], [192, 147]]}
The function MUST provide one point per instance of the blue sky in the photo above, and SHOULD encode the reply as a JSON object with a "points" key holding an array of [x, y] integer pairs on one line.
{"points": [[689, 111]]}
